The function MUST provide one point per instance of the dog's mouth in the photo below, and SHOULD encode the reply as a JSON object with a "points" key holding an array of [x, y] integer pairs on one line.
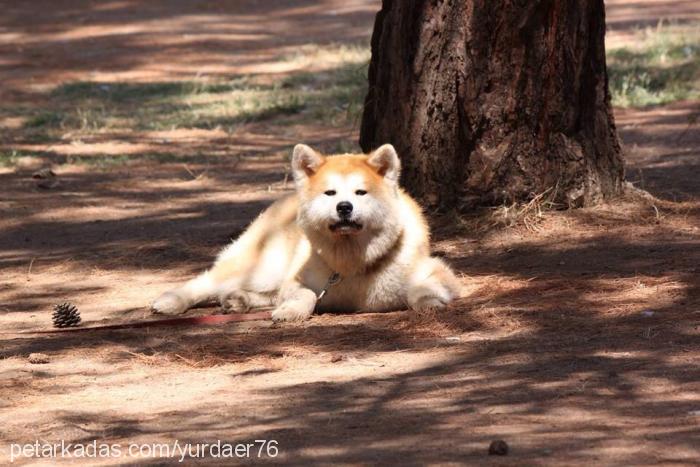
{"points": [[345, 226]]}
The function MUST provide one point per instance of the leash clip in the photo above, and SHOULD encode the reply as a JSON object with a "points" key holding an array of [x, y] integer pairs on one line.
{"points": [[332, 280]]}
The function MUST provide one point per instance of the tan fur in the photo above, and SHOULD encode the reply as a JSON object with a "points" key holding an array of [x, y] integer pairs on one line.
{"points": [[286, 256]]}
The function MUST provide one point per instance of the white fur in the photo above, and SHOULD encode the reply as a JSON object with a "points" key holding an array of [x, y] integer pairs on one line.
{"points": [[288, 254]]}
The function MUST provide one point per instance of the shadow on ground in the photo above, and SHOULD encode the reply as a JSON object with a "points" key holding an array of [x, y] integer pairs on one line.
{"points": [[577, 349]]}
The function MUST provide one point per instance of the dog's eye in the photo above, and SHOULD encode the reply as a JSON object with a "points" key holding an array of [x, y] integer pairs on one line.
{"points": [[360, 192], [329, 193]]}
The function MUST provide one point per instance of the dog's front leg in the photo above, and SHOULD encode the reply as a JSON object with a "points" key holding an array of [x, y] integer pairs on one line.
{"points": [[296, 303]]}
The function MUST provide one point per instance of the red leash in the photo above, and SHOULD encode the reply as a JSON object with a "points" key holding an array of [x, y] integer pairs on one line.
{"points": [[191, 320]]}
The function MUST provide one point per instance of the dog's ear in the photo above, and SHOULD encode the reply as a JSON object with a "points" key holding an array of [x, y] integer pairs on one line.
{"points": [[305, 162], [386, 162]]}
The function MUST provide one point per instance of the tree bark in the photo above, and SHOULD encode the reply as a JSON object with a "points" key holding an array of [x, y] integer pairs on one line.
{"points": [[489, 101]]}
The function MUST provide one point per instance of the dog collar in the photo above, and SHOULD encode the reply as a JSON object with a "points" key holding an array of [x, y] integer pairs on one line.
{"points": [[333, 279]]}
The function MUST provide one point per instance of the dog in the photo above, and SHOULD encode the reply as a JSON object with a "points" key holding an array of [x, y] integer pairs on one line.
{"points": [[349, 239]]}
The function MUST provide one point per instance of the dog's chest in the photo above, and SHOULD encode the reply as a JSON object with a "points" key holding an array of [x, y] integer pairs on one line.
{"points": [[377, 291]]}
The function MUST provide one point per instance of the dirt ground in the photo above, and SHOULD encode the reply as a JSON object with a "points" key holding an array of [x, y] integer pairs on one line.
{"points": [[576, 340]]}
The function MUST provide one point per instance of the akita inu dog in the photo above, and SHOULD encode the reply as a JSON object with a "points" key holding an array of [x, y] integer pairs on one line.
{"points": [[349, 239]]}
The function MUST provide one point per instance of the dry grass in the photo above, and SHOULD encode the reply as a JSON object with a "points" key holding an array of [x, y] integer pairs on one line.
{"points": [[528, 214], [328, 84], [662, 66]]}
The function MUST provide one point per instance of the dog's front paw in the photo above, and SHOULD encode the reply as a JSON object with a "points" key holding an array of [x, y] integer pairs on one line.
{"points": [[290, 312], [237, 301], [170, 303], [429, 303]]}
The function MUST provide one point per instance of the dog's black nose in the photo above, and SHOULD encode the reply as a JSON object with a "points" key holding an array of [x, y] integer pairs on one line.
{"points": [[344, 208]]}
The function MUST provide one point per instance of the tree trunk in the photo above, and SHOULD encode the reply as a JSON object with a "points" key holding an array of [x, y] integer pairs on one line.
{"points": [[493, 100]]}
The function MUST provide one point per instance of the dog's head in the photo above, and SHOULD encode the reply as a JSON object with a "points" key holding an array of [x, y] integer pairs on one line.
{"points": [[347, 196]]}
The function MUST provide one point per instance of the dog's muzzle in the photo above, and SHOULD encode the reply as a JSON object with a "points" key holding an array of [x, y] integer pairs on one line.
{"points": [[345, 226]]}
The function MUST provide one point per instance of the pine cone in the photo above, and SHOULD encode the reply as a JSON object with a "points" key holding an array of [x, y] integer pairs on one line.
{"points": [[65, 315]]}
